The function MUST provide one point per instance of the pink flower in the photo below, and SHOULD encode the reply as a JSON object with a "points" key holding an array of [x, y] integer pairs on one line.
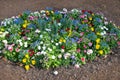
{"points": [[17, 49], [10, 48], [82, 16], [83, 59], [90, 44], [82, 33], [78, 50], [85, 46], [118, 43], [79, 40], [31, 18], [25, 37], [85, 51], [85, 20]]}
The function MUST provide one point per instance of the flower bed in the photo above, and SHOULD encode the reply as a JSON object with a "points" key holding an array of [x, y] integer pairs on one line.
{"points": [[52, 38]]}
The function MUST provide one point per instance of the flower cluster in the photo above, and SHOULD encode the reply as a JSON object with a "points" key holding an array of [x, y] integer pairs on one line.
{"points": [[52, 38]]}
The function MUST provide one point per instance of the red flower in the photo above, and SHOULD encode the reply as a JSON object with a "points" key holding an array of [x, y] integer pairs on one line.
{"points": [[31, 54], [63, 47], [67, 29], [83, 11], [118, 43], [90, 12], [83, 59]]}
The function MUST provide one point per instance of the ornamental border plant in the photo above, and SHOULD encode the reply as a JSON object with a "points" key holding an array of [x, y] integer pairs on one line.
{"points": [[52, 38]]}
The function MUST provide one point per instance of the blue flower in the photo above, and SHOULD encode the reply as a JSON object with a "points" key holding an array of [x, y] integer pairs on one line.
{"points": [[92, 36], [31, 26]]}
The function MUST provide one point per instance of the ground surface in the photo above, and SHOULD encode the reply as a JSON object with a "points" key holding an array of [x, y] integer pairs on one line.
{"points": [[100, 69]]}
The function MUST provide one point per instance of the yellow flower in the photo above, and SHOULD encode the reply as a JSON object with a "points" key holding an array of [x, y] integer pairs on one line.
{"points": [[27, 67], [97, 46], [27, 56], [90, 18], [98, 33], [25, 21], [24, 60], [101, 52], [33, 62], [52, 12], [47, 12], [2, 29], [93, 14], [1, 32], [98, 40], [92, 28], [83, 22], [24, 25], [70, 33], [62, 40]]}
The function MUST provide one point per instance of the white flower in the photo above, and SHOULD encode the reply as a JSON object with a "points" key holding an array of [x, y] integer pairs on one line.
{"points": [[41, 36], [55, 72], [105, 22], [102, 27], [62, 50], [59, 56], [42, 11], [89, 51], [49, 49], [41, 42], [57, 44], [52, 41], [44, 47], [67, 55], [39, 47], [37, 31], [21, 44], [29, 38], [25, 44], [43, 52], [77, 66], [53, 57], [48, 29], [64, 9], [5, 41], [59, 24], [38, 53], [102, 33]]}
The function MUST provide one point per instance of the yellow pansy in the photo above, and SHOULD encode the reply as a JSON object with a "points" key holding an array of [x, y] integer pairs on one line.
{"points": [[98, 33], [33, 62], [27, 56], [2, 29], [70, 33], [92, 28], [27, 67], [98, 40], [24, 25], [101, 52], [24, 60], [90, 18], [97, 46], [52, 12], [1, 32], [47, 12], [62, 40], [93, 14]]}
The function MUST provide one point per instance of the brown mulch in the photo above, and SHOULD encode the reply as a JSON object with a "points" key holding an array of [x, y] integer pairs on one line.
{"points": [[100, 69]]}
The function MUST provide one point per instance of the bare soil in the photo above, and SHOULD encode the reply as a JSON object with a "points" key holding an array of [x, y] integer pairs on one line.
{"points": [[100, 69]]}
